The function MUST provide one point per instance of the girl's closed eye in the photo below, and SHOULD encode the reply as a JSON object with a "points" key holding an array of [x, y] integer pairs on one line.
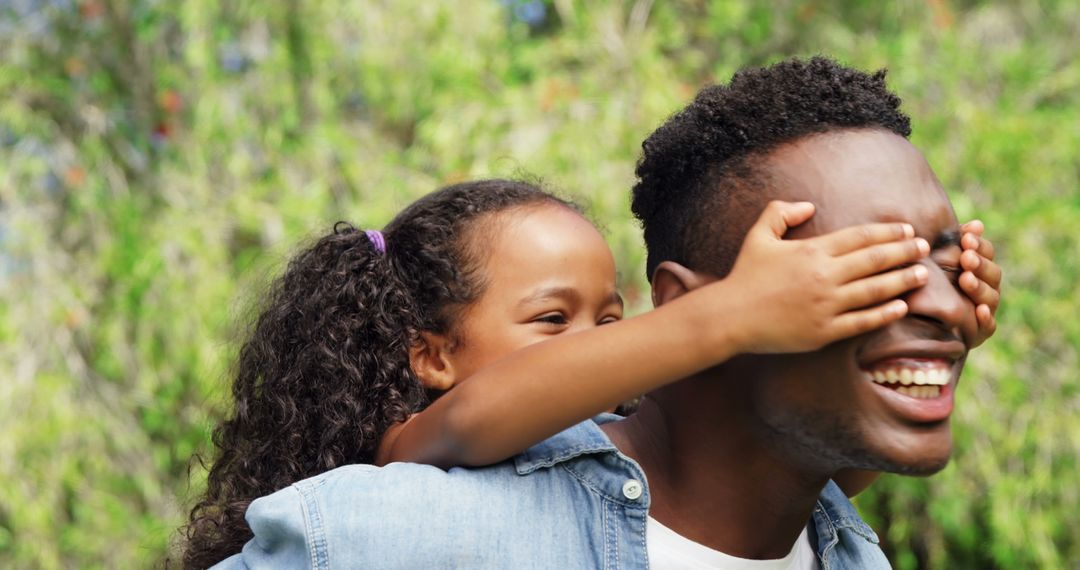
{"points": [[553, 318], [609, 319]]}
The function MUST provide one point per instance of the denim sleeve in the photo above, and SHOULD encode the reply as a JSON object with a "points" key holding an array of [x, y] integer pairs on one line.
{"points": [[281, 534]]}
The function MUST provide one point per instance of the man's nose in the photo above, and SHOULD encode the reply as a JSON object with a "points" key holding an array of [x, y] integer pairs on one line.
{"points": [[942, 302]]}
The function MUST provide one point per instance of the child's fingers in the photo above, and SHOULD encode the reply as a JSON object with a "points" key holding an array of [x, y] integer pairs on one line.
{"points": [[980, 245], [985, 316], [985, 269], [981, 279], [865, 320], [986, 248], [795, 213], [779, 216], [850, 239], [878, 258], [979, 291], [879, 288], [974, 226]]}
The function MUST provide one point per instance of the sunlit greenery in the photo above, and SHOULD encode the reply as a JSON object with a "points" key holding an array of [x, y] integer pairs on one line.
{"points": [[160, 159]]}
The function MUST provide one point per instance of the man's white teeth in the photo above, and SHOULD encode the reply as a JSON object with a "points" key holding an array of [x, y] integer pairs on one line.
{"points": [[923, 383], [922, 392], [907, 376]]}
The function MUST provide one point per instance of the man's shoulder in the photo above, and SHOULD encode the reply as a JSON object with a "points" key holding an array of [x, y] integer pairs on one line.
{"points": [[357, 501], [401, 486], [350, 479], [403, 489], [403, 515]]}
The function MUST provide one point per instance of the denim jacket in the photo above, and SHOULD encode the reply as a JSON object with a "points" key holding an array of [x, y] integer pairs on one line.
{"points": [[572, 501]]}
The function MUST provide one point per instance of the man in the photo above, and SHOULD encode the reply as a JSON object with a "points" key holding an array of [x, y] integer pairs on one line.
{"points": [[737, 458]]}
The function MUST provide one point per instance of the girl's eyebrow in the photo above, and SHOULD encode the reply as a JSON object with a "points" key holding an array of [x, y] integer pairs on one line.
{"points": [[546, 293], [568, 293], [947, 238]]}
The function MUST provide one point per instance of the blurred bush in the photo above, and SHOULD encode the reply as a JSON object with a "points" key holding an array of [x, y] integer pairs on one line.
{"points": [[160, 159]]}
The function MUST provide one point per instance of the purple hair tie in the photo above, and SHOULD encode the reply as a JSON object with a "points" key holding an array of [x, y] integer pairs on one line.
{"points": [[377, 240]]}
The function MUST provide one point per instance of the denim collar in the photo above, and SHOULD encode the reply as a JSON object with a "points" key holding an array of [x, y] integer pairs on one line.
{"points": [[833, 510], [586, 438]]}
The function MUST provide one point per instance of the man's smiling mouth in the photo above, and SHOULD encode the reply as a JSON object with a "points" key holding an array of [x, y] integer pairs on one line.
{"points": [[921, 378], [915, 378]]}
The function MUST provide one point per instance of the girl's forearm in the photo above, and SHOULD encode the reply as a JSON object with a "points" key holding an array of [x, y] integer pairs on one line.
{"points": [[542, 389]]}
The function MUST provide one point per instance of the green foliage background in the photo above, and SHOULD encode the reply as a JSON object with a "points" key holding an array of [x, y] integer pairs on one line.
{"points": [[160, 159]]}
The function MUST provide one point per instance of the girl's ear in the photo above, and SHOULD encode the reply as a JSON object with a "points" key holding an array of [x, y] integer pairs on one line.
{"points": [[671, 281], [429, 359]]}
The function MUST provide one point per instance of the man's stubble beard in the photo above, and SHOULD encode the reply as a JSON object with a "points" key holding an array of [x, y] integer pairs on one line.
{"points": [[828, 442]]}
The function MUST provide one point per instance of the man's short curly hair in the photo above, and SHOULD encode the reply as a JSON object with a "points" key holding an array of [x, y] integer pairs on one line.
{"points": [[701, 182]]}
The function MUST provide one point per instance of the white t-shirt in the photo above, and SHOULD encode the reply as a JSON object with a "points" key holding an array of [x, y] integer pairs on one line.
{"points": [[669, 550]]}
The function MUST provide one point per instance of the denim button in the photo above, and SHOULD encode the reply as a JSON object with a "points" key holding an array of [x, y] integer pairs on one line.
{"points": [[632, 489]]}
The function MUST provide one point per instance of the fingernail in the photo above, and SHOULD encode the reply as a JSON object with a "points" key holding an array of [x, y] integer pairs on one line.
{"points": [[923, 245], [920, 272], [909, 231]]}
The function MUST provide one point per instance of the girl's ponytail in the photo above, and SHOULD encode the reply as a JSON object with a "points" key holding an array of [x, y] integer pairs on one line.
{"points": [[323, 374]]}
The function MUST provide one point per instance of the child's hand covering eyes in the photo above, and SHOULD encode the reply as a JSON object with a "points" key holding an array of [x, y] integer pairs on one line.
{"points": [[804, 294], [981, 280]]}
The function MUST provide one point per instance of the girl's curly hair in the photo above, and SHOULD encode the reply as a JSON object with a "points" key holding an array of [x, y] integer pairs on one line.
{"points": [[326, 368]]}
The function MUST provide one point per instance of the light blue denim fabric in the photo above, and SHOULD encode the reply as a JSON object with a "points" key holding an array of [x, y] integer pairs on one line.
{"points": [[572, 501]]}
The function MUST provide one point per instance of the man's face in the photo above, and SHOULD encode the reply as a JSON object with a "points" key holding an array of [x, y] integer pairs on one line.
{"points": [[881, 400]]}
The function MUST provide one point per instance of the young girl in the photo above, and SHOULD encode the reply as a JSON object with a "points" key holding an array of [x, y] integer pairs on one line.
{"points": [[365, 328]]}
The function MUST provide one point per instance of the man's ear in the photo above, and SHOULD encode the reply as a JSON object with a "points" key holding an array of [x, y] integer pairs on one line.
{"points": [[671, 280], [430, 360]]}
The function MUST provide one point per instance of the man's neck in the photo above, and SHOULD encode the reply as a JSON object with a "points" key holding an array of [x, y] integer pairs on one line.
{"points": [[712, 481]]}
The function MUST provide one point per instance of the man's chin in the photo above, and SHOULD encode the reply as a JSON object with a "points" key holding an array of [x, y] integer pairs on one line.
{"points": [[834, 440], [921, 468], [926, 462]]}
